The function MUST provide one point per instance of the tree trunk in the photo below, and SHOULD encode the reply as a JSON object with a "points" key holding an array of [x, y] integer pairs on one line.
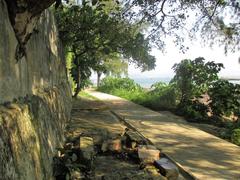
{"points": [[78, 88], [98, 78]]}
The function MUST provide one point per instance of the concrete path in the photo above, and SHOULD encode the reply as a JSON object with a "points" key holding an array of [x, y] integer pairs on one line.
{"points": [[207, 157], [91, 118]]}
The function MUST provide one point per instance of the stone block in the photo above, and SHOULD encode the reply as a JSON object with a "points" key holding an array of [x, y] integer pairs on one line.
{"points": [[148, 154], [167, 168], [133, 139]]}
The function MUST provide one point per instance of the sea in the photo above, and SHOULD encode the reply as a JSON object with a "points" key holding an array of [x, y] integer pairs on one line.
{"points": [[147, 82]]}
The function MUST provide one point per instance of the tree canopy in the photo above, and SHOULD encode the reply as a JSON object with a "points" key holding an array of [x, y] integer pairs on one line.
{"points": [[93, 33], [93, 30], [217, 21]]}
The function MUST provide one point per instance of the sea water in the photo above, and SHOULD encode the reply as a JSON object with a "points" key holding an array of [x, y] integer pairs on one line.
{"points": [[148, 82]]}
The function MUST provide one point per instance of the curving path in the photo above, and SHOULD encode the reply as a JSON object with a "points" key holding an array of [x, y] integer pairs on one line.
{"points": [[207, 157]]}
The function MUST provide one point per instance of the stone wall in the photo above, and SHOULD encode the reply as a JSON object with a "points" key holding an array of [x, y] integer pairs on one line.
{"points": [[35, 100]]}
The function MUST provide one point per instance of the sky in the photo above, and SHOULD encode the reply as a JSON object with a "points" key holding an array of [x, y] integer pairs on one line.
{"points": [[164, 62]]}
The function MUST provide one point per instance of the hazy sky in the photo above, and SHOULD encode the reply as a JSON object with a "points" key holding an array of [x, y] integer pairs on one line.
{"points": [[166, 61]]}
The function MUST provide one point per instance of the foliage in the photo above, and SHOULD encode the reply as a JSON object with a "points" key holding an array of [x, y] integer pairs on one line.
{"points": [[194, 111], [235, 137], [225, 98], [86, 95], [116, 66], [161, 97], [193, 78], [113, 65], [109, 84], [83, 31], [181, 18]]}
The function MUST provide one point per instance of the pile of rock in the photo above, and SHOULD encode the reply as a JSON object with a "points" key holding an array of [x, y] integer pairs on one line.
{"points": [[76, 159]]}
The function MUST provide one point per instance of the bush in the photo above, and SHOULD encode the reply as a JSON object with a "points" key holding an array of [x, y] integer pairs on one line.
{"points": [[225, 98], [162, 97], [193, 78], [110, 84], [194, 110], [235, 137]]}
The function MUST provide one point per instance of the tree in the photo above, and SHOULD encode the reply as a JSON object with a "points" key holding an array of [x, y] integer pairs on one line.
{"points": [[225, 98], [84, 33], [114, 65], [193, 78], [216, 20]]}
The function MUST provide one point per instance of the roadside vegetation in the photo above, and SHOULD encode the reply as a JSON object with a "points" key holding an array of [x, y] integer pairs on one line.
{"points": [[195, 92], [133, 28]]}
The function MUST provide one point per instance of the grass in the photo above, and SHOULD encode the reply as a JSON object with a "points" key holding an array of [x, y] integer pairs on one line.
{"points": [[84, 94], [164, 96], [161, 97]]}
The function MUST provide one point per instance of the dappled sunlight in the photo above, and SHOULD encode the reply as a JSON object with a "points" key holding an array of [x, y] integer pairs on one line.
{"points": [[205, 155]]}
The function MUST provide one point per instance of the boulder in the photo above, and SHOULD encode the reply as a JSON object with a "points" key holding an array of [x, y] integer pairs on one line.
{"points": [[133, 139], [148, 153], [167, 168]]}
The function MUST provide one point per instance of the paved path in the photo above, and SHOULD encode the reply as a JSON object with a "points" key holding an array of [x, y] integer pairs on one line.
{"points": [[207, 157], [92, 118]]}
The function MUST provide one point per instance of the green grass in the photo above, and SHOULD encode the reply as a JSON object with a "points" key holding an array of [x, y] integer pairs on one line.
{"points": [[162, 97], [84, 94]]}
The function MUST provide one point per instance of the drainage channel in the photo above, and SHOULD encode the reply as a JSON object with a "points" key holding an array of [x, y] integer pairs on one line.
{"points": [[186, 174]]}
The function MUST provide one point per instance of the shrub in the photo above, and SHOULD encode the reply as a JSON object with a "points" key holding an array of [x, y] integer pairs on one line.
{"points": [[235, 137], [193, 78], [162, 97], [195, 111], [110, 84], [225, 98]]}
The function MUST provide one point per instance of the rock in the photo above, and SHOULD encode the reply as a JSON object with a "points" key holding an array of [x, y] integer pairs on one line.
{"points": [[76, 175], [74, 157], [99, 135], [87, 147], [133, 145], [133, 138], [167, 168], [115, 145], [68, 146], [148, 154], [104, 147], [153, 171], [97, 139]]}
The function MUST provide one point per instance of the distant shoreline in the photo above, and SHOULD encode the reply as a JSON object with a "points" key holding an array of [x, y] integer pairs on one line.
{"points": [[149, 81]]}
